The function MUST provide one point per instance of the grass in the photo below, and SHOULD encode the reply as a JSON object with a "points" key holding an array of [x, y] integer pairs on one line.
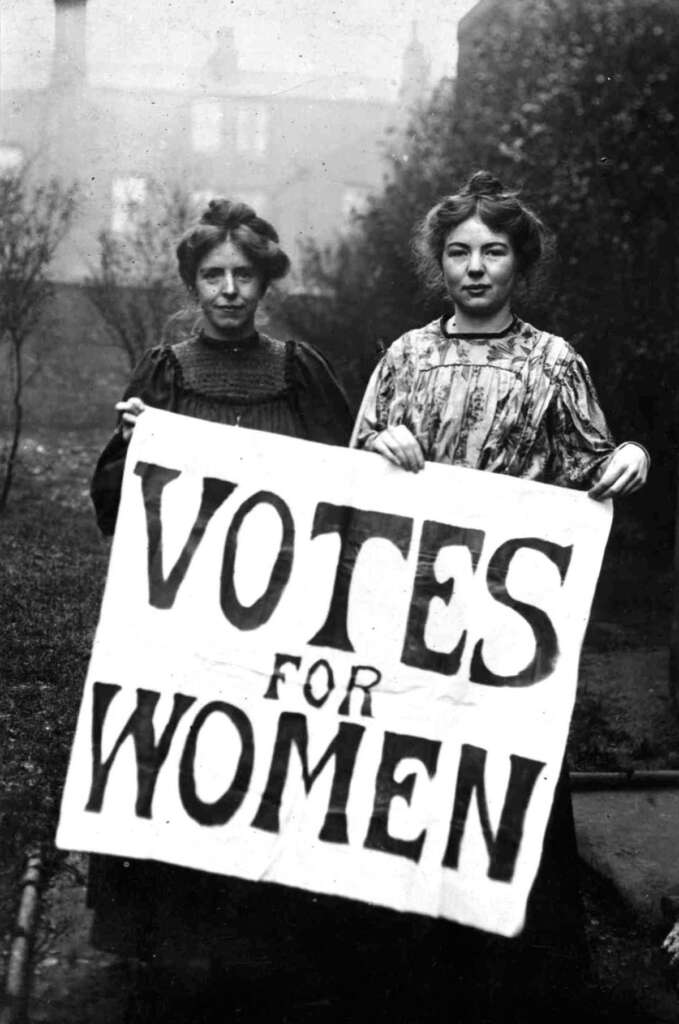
{"points": [[52, 570]]}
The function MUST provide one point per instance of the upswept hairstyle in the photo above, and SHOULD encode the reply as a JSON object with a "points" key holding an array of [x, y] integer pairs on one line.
{"points": [[485, 197], [224, 220]]}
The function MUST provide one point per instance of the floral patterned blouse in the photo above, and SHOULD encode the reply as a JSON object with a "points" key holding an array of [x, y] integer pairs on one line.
{"points": [[519, 402]]}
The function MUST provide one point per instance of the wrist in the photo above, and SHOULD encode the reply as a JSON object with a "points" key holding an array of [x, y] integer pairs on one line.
{"points": [[637, 444], [367, 441]]}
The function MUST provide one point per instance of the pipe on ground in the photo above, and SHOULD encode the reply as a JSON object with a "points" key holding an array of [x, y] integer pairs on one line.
{"points": [[19, 961], [659, 779]]}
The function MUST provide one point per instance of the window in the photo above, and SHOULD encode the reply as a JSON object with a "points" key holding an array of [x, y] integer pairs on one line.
{"points": [[252, 130], [11, 158], [354, 201], [207, 119], [128, 196]]}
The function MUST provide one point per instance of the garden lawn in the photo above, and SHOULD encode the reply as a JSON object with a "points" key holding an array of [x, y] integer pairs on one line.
{"points": [[52, 570]]}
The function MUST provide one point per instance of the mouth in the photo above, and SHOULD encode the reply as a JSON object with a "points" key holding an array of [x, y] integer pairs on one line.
{"points": [[477, 289]]}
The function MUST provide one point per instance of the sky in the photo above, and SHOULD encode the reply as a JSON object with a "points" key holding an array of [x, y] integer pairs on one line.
{"points": [[165, 39]]}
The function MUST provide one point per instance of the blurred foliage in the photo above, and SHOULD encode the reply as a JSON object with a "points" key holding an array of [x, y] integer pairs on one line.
{"points": [[136, 289], [575, 104], [581, 111], [35, 218]]}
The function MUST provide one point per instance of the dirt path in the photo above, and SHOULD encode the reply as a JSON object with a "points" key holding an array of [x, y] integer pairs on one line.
{"points": [[72, 982]]}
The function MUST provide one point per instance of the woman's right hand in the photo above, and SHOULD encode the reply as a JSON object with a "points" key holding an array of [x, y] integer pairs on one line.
{"points": [[129, 411], [399, 446]]}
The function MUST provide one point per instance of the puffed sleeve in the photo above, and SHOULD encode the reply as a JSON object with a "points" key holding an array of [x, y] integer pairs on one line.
{"points": [[153, 380], [581, 442], [321, 400]]}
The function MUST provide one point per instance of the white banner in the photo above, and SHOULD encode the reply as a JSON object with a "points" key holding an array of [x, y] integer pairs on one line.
{"points": [[316, 669]]}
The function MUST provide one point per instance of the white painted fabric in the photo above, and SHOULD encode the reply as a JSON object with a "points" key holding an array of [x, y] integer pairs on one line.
{"points": [[348, 678]]}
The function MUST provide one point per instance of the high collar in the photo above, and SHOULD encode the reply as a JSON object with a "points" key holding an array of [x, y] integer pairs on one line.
{"points": [[246, 344], [477, 335]]}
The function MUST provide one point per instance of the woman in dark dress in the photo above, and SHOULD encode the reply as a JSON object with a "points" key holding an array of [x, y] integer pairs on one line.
{"points": [[227, 371], [483, 389], [183, 922]]}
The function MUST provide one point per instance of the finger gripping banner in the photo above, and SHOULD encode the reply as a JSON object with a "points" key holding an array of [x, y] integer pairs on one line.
{"points": [[316, 669]]}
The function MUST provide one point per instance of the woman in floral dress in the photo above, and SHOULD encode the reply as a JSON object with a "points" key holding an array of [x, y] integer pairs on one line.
{"points": [[482, 389]]}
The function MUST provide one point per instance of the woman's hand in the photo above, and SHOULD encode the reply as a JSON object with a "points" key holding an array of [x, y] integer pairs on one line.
{"points": [[625, 472], [399, 446], [671, 945], [129, 410]]}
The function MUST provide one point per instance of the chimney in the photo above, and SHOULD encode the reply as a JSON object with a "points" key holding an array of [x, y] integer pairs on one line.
{"points": [[222, 66], [69, 65]]}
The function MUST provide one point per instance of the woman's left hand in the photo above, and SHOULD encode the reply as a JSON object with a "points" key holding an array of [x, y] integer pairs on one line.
{"points": [[671, 945], [625, 472]]}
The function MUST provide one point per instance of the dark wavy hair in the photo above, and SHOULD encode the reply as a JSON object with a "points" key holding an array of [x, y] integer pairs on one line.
{"points": [[485, 197], [224, 220]]}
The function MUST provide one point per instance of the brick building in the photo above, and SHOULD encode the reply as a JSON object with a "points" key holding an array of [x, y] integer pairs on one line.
{"points": [[303, 152]]}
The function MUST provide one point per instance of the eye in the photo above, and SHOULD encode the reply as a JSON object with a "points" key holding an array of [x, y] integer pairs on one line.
{"points": [[497, 253], [455, 253], [211, 274]]}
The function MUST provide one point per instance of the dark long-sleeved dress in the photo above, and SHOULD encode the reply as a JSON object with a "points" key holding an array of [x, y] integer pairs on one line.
{"points": [[261, 383], [143, 908]]}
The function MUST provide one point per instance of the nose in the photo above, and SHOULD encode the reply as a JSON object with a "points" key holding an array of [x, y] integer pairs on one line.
{"points": [[229, 283], [475, 267]]}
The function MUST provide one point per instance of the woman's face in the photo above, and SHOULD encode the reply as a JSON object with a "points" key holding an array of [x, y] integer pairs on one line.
{"points": [[479, 269], [229, 287]]}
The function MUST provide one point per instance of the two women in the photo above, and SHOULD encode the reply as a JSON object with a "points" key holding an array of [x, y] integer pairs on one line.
{"points": [[479, 388]]}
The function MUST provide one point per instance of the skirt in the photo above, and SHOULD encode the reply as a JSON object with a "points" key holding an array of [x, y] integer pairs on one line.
{"points": [[349, 960]]}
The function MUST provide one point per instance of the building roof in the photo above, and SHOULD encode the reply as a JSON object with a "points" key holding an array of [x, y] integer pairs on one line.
{"points": [[475, 17]]}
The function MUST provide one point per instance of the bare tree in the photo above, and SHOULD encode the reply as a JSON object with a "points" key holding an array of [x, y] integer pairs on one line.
{"points": [[135, 288], [35, 218]]}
